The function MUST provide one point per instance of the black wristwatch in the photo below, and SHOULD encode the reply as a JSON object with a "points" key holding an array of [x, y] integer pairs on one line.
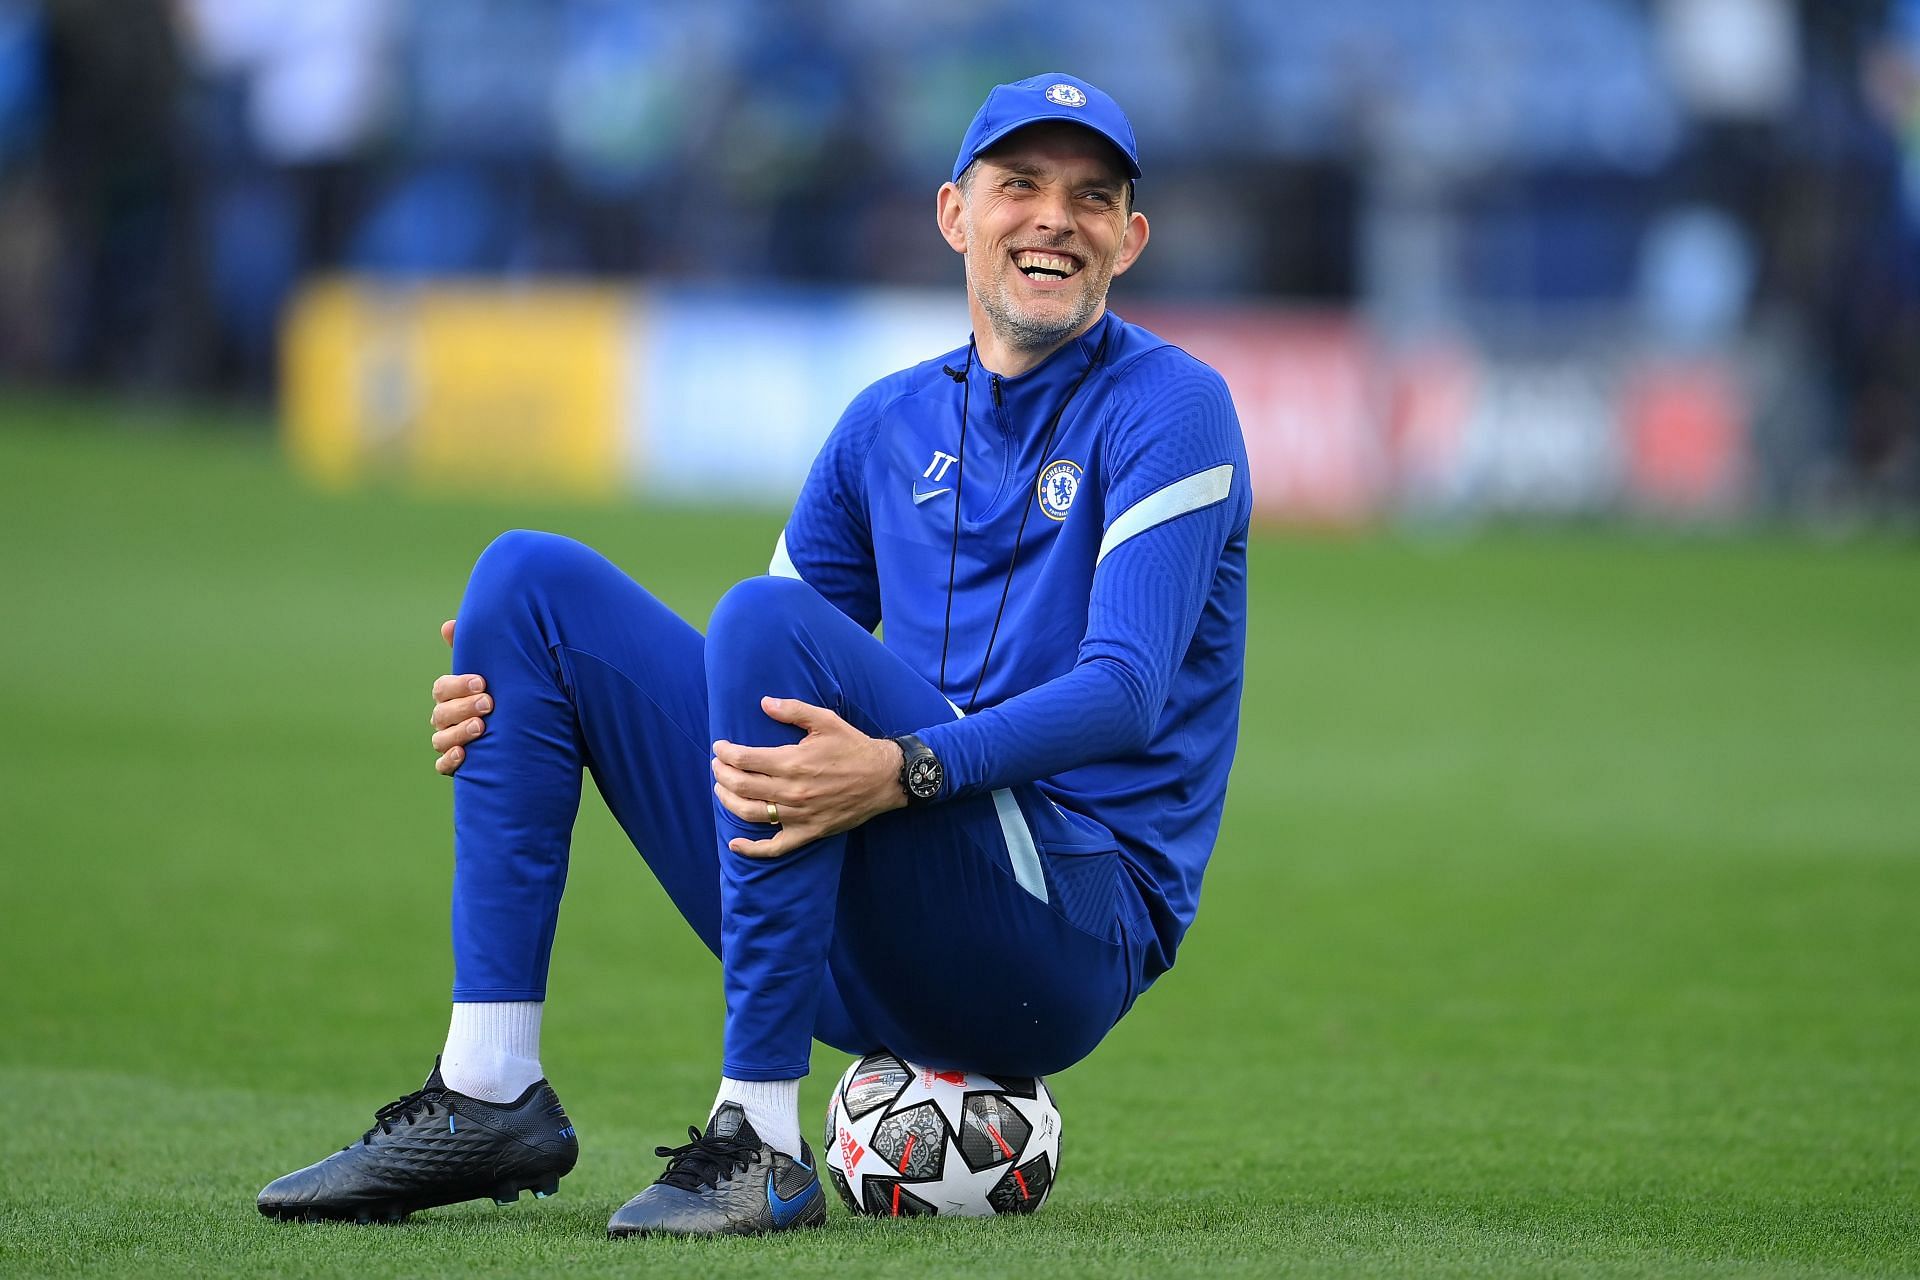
{"points": [[920, 774]]}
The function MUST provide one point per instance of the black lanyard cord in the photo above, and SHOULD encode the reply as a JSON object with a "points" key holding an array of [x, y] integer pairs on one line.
{"points": [[1020, 534], [965, 378]]}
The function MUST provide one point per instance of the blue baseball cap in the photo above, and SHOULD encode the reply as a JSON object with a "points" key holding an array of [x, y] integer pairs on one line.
{"points": [[1052, 95]]}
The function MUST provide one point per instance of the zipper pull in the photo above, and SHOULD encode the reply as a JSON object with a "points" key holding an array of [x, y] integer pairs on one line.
{"points": [[996, 392]]}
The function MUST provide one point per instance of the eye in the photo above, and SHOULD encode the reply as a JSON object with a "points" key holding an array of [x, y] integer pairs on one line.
{"points": [[1020, 183]]}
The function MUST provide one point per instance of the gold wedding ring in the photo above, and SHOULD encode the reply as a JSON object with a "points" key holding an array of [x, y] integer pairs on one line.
{"points": [[773, 813]]}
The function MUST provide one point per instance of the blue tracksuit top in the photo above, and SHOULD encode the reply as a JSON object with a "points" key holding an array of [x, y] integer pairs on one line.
{"points": [[1115, 670]]}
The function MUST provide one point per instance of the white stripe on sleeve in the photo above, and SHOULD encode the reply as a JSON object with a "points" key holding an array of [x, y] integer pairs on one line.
{"points": [[782, 566], [1021, 851], [1023, 855], [1202, 489]]}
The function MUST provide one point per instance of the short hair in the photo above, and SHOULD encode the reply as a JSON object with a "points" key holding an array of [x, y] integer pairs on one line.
{"points": [[965, 183]]}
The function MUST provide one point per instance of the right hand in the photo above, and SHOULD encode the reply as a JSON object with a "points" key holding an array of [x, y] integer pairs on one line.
{"points": [[460, 707]]}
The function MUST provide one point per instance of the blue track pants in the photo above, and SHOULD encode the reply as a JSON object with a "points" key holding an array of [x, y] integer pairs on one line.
{"points": [[991, 932]]}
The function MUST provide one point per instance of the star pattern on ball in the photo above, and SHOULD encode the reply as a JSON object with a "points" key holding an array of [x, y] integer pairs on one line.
{"points": [[946, 1142]]}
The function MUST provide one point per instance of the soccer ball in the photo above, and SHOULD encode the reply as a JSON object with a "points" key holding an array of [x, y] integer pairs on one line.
{"points": [[909, 1141]]}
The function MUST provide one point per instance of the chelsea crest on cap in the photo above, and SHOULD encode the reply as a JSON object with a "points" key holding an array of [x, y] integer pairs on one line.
{"points": [[1052, 95]]}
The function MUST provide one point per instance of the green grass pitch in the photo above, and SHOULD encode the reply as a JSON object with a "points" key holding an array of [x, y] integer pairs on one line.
{"points": [[1566, 919]]}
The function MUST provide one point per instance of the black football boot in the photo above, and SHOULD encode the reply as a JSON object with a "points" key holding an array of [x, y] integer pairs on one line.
{"points": [[725, 1182], [431, 1148]]}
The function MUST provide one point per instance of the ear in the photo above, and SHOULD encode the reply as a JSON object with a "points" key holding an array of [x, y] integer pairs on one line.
{"points": [[949, 210], [1133, 241]]}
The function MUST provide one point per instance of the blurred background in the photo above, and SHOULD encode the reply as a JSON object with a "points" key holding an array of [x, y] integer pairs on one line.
{"points": [[1573, 831], [1658, 258]]}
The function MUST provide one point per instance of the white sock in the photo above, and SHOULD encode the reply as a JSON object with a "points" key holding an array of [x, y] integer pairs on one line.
{"points": [[772, 1107], [493, 1050]]}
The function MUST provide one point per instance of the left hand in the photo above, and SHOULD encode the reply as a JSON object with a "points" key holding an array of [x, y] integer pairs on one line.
{"points": [[830, 781]]}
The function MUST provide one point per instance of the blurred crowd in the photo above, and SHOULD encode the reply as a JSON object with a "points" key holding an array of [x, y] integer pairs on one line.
{"points": [[1704, 168]]}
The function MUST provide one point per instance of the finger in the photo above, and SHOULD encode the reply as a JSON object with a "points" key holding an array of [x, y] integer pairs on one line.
{"points": [[459, 735], [456, 686], [449, 761], [783, 841], [745, 808], [758, 786], [446, 632], [774, 762], [795, 712], [739, 781], [454, 710]]}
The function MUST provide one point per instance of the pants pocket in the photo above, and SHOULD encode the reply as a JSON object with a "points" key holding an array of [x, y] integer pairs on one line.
{"points": [[1086, 890]]}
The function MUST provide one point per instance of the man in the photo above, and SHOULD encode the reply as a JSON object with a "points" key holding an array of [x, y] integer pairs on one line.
{"points": [[974, 844]]}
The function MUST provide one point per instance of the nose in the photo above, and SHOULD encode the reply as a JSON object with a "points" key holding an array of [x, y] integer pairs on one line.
{"points": [[1054, 211]]}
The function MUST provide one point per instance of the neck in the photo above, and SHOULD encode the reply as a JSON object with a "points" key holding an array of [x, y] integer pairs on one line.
{"points": [[997, 355]]}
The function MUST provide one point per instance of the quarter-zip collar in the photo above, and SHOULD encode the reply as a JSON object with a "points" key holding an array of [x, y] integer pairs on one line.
{"points": [[1022, 406]]}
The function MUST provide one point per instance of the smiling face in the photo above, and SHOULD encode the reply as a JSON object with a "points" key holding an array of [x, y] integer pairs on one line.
{"points": [[1042, 220]]}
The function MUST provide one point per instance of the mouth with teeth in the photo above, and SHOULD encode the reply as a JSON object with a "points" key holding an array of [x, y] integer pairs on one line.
{"points": [[1044, 267]]}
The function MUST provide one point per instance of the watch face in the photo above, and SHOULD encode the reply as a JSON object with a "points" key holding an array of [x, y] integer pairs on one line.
{"points": [[923, 778]]}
